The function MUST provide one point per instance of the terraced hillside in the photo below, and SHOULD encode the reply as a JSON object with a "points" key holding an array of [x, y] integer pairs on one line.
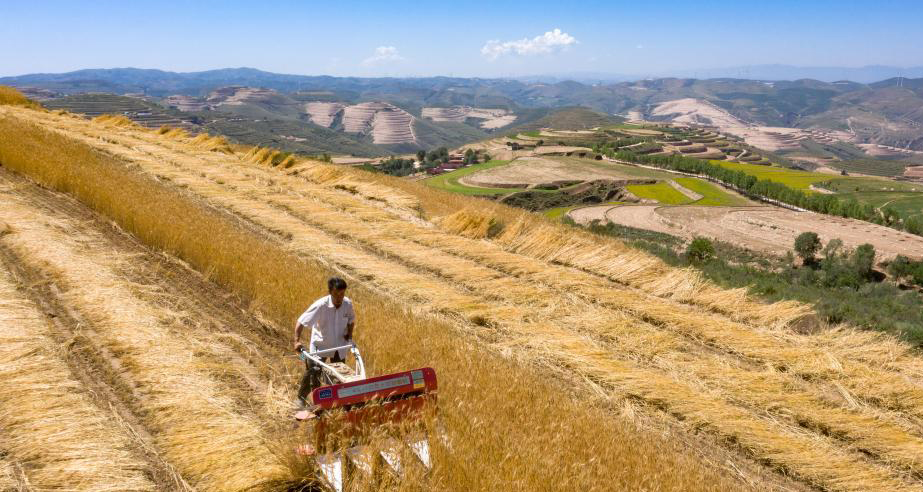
{"points": [[323, 113], [492, 118], [138, 110], [386, 124], [565, 360]]}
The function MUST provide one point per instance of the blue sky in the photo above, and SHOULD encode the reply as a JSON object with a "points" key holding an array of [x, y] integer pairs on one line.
{"points": [[474, 38]]}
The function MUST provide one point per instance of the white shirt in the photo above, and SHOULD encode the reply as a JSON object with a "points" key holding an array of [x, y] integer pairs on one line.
{"points": [[328, 323]]}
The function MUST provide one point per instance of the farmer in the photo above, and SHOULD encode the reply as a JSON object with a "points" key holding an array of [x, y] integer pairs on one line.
{"points": [[331, 320]]}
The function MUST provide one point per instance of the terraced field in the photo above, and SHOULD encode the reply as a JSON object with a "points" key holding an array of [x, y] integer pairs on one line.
{"points": [[566, 361], [659, 192], [800, 180]]}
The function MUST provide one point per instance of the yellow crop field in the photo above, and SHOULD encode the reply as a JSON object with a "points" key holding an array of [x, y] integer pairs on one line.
{"points": [[566, 360]]}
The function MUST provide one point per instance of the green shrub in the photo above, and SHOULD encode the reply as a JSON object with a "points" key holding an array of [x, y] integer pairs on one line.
{"points": [[700, 250], [807, 244]]}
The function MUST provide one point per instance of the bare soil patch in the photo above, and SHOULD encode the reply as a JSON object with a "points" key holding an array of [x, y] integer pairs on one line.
{"points": [[765, 229], [532, 171]]}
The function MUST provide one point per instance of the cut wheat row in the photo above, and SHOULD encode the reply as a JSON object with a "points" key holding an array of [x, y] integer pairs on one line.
{"points": [[10, 478], [211, 446], [49, 424]]}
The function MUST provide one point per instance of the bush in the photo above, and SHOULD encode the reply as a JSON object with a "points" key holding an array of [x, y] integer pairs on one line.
{"points": [[807, 244], [863, 260], [902, 267], [700, 250]]}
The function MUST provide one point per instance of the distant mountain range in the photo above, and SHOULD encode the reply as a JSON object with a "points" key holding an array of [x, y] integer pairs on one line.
{"points": [[887, 112], [862, 75]]}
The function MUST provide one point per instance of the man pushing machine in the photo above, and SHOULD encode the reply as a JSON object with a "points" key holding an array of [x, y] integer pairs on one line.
{"points": [[331, 320]]}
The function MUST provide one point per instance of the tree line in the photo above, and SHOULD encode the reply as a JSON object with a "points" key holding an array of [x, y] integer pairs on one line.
{"points": [[817, 202]]}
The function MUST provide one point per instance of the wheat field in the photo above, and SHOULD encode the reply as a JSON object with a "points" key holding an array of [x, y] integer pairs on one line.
{"points": [[564, 359]]}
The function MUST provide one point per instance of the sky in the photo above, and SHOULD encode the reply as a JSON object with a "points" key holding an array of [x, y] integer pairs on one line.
{"points": [[469, 39]]}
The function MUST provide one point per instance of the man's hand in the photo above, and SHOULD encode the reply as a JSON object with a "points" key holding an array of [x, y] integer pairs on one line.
{"points": [[298, 346]]}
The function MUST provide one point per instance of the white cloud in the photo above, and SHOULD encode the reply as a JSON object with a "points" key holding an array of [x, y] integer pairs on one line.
{"points": [[640, 46], [546, 43], [383, 54]]}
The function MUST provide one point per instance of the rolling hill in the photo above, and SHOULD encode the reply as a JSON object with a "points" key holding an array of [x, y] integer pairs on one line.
{"points": [[887, 113]]}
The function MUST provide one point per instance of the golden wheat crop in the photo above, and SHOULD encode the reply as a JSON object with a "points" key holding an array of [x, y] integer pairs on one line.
{"points": [[12, 97]]}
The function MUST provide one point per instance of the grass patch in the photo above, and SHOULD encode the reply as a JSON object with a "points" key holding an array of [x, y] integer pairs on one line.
{"points": [[799, 180], [557, 213], [449, 181], [905, 203], [850, 185], [661, 192], [874, 167], [712, 195]]}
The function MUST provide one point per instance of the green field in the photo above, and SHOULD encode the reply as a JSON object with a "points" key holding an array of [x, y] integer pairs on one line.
{"points": [[875, 167], [662, 192], [800, 180], [449, 181], [905, 203], [558, 213], [851, 185], [712, 195]]}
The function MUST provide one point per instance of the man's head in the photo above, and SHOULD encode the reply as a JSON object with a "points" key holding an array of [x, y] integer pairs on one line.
{"points": [[337, 288]]}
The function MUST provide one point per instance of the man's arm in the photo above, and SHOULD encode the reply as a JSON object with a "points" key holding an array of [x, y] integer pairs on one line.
{"points": [[351, 316], [349, 330], [305, 320], [298, 328]]}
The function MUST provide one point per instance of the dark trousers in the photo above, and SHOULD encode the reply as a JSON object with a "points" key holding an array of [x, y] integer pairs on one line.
{"points": [[312, 377]]}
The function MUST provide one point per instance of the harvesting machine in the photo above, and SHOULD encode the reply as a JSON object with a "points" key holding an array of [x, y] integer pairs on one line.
{"points": [[351, 407]]}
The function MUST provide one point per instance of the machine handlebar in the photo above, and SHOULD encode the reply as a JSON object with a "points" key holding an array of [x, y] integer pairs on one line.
{"points": [[304, 354]]}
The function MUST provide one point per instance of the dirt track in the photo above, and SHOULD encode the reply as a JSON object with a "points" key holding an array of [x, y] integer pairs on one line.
{"points": [[759, 228]]}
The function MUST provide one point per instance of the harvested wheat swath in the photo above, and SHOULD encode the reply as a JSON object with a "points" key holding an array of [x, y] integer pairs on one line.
{"points": [[10, 479], [210, 143], [813, 458], [115, 120], [211, 446], [383, 193], [49, 425], [330, 176], [551, 242]]}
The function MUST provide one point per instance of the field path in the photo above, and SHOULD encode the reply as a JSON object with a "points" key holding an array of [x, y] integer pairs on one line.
{"points": [[837, 416]]}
